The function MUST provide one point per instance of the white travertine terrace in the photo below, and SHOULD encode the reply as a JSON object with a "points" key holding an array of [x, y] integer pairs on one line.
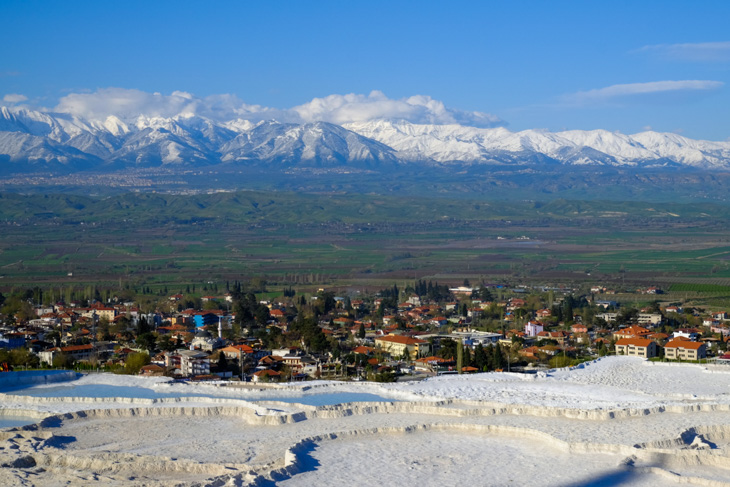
{"points": [[449, 430]]}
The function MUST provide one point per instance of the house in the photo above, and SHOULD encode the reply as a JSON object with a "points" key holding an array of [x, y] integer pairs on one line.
{"points": [[152, 370], [277, 314], [533, 328], [203, 340], [529, 352], [76, 352], [398, 345], [193, 363], [724, 330], [543, 313], [550, 350], [579, 328], [559, 336], [236, 351], [266, 375], [434, 364], [637, 347], [204, 318], [632, 332], [649, 318], [362, 349], [683, 349], [688, 333], [439, 321]]}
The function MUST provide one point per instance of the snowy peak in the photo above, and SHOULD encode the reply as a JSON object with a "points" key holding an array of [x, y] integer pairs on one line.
{"points": [[187, 139], [456, 143], [321, 143]]}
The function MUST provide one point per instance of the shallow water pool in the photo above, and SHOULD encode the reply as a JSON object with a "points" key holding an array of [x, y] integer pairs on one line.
{"points": [[15, 421], [69, 389]]}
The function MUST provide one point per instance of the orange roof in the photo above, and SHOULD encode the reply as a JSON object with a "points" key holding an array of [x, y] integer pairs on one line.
{"points": [[77, 348], [153, 367], [433, 359], [403, 340], [238, 349], [637, 342], [633, 331], [684, 344], [362, 349]]}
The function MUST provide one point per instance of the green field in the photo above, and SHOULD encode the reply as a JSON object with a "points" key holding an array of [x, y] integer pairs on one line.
{"points": [[157, 240], [699, 288]]}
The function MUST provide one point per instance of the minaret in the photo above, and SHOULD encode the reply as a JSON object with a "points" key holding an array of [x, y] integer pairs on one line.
{"points": [[220, 328]]}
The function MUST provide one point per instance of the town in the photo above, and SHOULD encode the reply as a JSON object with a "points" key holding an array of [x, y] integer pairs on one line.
{"points": [[422, 330]]}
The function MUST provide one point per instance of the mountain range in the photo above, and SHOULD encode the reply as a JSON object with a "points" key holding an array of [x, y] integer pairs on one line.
{"points": [[31, 140]]}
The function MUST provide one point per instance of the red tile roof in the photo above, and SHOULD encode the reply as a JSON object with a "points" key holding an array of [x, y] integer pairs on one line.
{"points": [[637, 342], [688, 345]]}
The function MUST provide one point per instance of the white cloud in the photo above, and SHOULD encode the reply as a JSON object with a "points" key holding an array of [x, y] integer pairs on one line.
{"points": [[700, 51], [341, 109], [636, 89], [14, 98], [130, 104]]}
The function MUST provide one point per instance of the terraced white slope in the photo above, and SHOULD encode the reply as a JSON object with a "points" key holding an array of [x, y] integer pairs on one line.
{"points": [[668, 425]]}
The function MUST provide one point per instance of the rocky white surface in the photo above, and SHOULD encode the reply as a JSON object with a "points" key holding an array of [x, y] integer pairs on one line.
{"points": [[615, 421]]}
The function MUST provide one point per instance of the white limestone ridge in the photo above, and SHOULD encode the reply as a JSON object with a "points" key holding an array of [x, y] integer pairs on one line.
{"points": [[35, 137]]}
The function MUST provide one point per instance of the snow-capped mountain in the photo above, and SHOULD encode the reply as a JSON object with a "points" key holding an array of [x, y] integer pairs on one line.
{"points": [[321, 143], [449, 143], [39, 139]]}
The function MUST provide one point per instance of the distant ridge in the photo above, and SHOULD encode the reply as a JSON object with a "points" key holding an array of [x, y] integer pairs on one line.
{"points": [[32, 140]]}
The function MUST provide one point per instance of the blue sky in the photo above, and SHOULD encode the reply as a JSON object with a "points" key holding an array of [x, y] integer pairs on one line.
{"points": [[623, 66]]}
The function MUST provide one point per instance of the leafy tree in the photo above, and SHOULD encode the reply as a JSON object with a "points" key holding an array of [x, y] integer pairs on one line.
{"points": [[448, 348], [361, 331], [222, 362], [271, 337], [482, 293], [626, 315], [165, 344], [102, 329], [498, 360], [387, 376], [559, 361], [23, 356], [480, 358], [53, 337], [468, 362], [135, 362], [147, 341], [19, 357], [63, 361]]}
